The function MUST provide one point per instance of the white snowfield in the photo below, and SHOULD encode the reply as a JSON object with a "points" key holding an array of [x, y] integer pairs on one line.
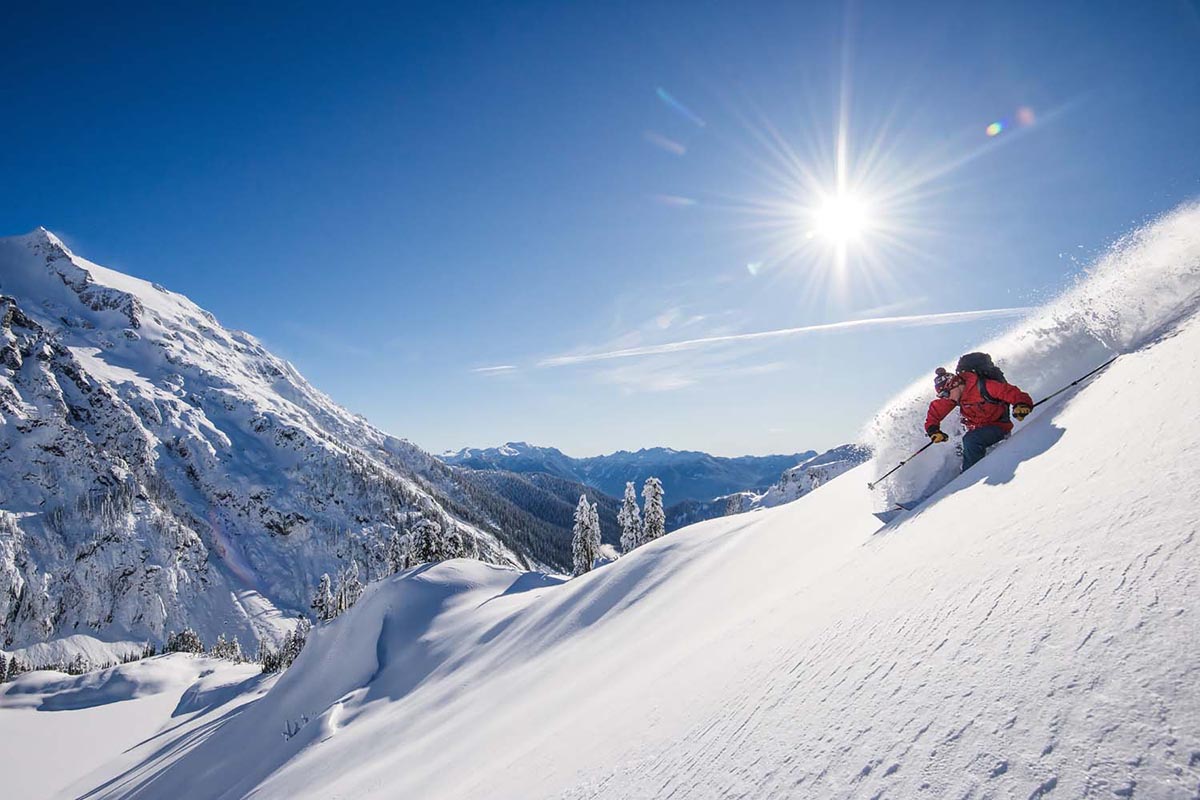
{"points": [[1031, 631], [57, 728]]}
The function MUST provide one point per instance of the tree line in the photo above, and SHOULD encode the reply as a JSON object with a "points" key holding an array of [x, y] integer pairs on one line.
{"points": [[635, 530]]}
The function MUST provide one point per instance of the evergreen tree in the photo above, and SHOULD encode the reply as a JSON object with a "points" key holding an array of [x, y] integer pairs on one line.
{"points": [[656, 519], [397, 553], [350, 588], [235, 651], [274, 661], [427, 541], [269, 657], [323, 603], [452, 544], [470, 546], [629, 518], [289, 651], [585, 541], [3, 668], [595, 523], [220, 647], [186, 641], [230, 650], [293, 645]]}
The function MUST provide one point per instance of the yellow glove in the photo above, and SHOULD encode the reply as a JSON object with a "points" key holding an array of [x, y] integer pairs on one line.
{"points": [[1020, 411], [937, 437]]}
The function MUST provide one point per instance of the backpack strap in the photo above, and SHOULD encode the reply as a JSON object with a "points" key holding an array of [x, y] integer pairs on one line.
{"points": [[981, 382]]}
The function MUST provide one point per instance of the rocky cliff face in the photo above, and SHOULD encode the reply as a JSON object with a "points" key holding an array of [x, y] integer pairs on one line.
{"points": [[158, 470]]}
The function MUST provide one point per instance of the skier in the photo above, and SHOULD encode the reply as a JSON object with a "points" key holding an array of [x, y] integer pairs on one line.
{"points": [[978, 388]]}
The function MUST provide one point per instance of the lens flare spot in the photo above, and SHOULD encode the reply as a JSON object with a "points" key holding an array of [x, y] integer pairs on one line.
{"points": [[1025, 116], [995, 129], [690, 115], [663, 143]]}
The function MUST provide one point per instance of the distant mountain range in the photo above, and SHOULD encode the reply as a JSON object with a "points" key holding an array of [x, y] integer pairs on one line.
{"points": [[686, 474], [793, 484]]}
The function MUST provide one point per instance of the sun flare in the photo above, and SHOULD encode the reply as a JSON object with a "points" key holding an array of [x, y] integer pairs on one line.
{"points": [[841, 219]]}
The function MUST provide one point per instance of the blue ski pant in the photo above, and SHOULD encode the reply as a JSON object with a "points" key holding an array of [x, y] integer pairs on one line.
{"points": [[975, 443]]}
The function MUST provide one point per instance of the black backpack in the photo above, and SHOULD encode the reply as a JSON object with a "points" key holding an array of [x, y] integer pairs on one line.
{"points": [[985, 370]]}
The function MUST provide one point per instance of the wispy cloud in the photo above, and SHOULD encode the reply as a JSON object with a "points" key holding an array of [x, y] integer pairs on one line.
{"points": [[496, 370], [909, 321]]}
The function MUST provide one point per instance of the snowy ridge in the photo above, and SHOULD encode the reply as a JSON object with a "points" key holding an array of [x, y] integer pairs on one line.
{"points": [[162, 471], [1134, 294], [1030, 632]]}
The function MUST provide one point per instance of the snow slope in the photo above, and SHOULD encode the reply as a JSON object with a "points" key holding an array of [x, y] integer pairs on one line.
{"points": [[1030, 632], [56, 728]]}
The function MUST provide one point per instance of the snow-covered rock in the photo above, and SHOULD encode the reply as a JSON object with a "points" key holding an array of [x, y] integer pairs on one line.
{"points": [[161, 471]]}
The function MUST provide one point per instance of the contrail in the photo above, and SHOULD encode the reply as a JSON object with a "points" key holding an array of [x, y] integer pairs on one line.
{"points": [[912, 321]]}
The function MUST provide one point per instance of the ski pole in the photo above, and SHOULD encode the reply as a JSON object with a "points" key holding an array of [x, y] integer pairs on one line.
{"points": [[872, 485], [1077, 380]]}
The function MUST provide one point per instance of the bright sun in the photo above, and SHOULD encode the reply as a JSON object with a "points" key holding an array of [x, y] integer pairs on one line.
{"points": [[841, 219]]}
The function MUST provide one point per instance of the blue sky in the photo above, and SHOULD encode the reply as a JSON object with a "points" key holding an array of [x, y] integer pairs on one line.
{"points": [[400, 198]]}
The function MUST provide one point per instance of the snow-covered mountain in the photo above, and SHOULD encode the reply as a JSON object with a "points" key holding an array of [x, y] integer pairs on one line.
{"points": [[162, 471], [1029, 632], [801, 479], [686, 474], [794, 483]]}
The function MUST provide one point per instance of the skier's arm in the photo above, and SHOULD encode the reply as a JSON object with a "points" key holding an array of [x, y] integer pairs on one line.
{"points": [[938, 410], [1008, 393]]}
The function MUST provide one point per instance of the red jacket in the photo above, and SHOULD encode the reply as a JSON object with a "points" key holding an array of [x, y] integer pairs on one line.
{"points": [[977, 412]]}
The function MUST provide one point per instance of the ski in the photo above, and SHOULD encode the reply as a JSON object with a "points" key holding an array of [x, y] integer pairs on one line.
{"points": [[892, 514]]}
